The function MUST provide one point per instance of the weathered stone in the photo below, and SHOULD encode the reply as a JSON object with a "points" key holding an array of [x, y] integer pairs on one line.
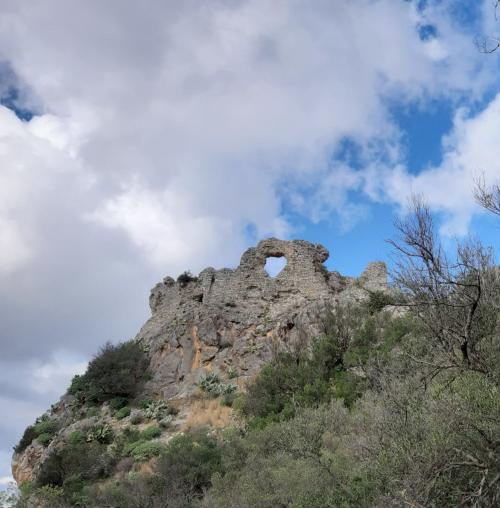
{"points": [[244, 311]]}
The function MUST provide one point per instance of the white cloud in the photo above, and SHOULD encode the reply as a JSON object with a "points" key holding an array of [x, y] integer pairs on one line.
{"points": [[180, 133], [51, 377], [470, 150]]}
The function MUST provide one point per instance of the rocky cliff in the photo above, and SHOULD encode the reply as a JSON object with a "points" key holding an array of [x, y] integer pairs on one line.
{"points": [[228, 322]]}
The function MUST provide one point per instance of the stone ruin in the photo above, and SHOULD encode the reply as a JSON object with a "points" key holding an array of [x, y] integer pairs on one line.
{"points": [[234, 319]]}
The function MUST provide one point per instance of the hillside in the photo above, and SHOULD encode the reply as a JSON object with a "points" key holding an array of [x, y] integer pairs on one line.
{"points": [[307, 389]]}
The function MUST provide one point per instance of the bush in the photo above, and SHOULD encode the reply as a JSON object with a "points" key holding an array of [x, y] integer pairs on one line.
{"points": [[45, 438], [309, 378], [118, 403], [188, 464], [43, 428], [50, 496], [46, 427], [378, 300], [123, 413], [179, 477], [90, 461], [77, 385], [156, 409], [151, 433], [228, 399], [144, 450], [27, 438], [145, 403], [114, 374], [185, 278], [101, 433], [76, 437]]}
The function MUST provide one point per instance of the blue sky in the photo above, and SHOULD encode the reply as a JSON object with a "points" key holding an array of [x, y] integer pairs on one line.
{"points": [[137, 143]]}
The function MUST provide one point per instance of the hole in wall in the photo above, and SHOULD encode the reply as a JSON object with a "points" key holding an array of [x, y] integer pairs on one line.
{"points": [[274, 265]]}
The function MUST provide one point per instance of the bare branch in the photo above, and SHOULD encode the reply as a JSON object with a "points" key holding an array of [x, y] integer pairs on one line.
{"points": [[487, 197]]}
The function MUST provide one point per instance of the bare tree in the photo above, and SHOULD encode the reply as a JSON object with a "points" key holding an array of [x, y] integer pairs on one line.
{"points": [[456, 300], [487, 196]]}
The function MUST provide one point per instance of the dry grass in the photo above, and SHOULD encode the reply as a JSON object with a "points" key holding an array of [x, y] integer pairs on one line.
{"points": [[211, 413]]}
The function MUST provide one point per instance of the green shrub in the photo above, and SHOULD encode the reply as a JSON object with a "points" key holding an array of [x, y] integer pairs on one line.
{"points": [[88, 460], [188, 464], [74, 487], [43, 428], [126, 441], [50, 496], [46, 427], [77, 385], [151, 433], [378, 300], [309, 378], [145, 403], [123, 413], [27, 438], [45, 438], [179, 477], [116, 372], [144, 450], [91, 411], [228, 399], [77, 436], [118, 403]]}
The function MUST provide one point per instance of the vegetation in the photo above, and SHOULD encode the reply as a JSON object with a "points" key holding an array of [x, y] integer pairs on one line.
{"points": [[151, 433], [306, 378], [213, 386], [43, 431], [123, 413], [70, 468], [180, 476], [387, 407], [155, 409], [185, 278], [114, 374]]}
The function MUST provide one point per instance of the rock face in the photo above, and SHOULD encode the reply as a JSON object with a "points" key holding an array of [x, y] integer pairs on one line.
{"points": [[229, 321], [236, 318]]}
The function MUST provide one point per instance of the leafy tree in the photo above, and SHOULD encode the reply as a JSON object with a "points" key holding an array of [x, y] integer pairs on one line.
{"points": [[115, 373]]}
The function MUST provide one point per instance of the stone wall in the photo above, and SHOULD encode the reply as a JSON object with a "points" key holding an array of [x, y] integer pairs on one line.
{"points": [[236, 318]]}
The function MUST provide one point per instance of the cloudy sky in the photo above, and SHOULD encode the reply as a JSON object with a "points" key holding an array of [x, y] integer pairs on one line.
{"points": [[142, 139]]}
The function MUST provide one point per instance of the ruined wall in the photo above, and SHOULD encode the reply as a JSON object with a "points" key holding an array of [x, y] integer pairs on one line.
{"points": [[235, 318]]}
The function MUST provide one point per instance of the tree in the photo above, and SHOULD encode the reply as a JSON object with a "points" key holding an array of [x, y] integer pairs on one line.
{"points": [[116, 371], [487, 197], [457, 299]]}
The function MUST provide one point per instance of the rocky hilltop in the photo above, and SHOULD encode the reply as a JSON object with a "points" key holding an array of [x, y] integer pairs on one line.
{"points": [[227, 322]]}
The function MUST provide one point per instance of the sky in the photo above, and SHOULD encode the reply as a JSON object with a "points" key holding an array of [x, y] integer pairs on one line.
{"points": [[140, 140]]}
